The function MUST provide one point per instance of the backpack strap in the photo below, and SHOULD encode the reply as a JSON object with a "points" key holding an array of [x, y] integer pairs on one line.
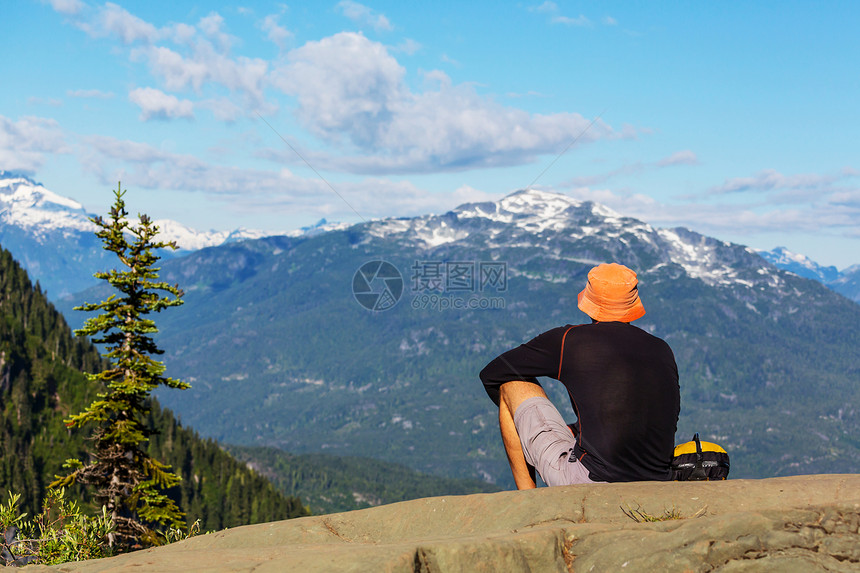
{"points": [[698, 473]]}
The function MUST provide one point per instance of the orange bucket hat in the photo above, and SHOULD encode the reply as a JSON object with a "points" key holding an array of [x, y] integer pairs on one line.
{"points": [[611, 294]]}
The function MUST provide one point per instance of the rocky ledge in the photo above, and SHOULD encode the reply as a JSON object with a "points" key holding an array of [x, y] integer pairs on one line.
{"points": [[803, 523]]}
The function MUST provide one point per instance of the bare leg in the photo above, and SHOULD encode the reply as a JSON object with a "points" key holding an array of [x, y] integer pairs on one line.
{"points": [[512, 395]]}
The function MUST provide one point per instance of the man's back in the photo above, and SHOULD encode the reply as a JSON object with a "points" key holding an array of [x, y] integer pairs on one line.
{"points": [[623, 383]]}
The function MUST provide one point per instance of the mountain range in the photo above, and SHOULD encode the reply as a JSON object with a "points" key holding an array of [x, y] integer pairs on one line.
{"points": [[846, 282], [33, 220], [367, 339]]}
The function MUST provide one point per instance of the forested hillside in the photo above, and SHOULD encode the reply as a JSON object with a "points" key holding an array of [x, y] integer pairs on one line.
{"points": [[330, 484], [41, 384]]}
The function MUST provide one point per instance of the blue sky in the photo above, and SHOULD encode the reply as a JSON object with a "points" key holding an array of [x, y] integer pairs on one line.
{"points": [[737, 120]]}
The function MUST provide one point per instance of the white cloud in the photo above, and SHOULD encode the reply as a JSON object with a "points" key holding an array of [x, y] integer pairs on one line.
{"points": [[551, 8], [822, 204], [212, 26], [25, 143], [545, 8], [181, 33], [448, 60], [468, 194], [155, 104], [720, 219], [275, 32], [345, 84], [97, 94], [364, 16], [223, 109], [580, 20], [600, 178], [407, 46], [70, 7], [116, 20], [685, 157], [766, 202], [530, 93], [352, 92], [206, 64], [770, 179], [201, 55], [172, 68], [610, 21], [53, 102], [143, 166]]}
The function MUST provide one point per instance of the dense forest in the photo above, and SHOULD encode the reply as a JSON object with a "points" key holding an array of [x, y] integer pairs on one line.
{"points": [[41, 384], [330, 484]]}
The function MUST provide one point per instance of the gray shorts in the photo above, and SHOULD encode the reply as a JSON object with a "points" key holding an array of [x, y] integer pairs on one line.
{"points": [[548, 443]]}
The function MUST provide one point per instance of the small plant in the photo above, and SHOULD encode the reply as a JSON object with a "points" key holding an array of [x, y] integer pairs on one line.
{"points": [[60, 533], [174, 534], [640, 516], [13, 551]]}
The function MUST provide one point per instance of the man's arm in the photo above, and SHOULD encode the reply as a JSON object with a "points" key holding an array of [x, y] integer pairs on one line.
{"points": [[511, 379], [537, 357], [512, 395]]}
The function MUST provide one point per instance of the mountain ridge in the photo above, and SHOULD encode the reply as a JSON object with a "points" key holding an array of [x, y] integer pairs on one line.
{"points": [[846, 282], [33, 220], [283, 354]]}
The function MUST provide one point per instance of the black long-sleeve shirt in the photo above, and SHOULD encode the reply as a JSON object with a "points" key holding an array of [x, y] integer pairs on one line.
{"points": [[623, 384]]}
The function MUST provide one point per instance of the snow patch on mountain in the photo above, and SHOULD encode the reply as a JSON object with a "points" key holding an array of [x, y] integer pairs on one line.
{"points": [[30, 206], [318, 228], [801, 265], [700, 258], [536, 219], [190, 239], [532, 210]]}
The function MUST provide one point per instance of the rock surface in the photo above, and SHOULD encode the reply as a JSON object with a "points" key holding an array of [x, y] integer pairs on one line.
{"points": [[803, 523]]}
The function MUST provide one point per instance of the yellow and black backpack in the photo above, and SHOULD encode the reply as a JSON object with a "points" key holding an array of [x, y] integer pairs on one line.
{"points": [[699, 461]]}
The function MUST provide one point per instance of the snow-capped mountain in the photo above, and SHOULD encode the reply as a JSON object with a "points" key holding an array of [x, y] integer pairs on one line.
{"points": [[561, 222], [28, 205], [558, 225], [801, 265], [35, 220], [189, 239], [845, 282], [52, 236]]}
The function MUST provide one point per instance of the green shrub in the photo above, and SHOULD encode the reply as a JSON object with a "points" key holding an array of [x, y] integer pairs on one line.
{"points": [[60, 533]]}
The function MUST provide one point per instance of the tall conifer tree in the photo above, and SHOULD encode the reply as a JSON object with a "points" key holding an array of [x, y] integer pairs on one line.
{"points": [[126, 479]]}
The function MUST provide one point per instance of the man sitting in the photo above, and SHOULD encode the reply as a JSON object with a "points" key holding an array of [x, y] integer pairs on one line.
{"points": [[622, 382]]}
